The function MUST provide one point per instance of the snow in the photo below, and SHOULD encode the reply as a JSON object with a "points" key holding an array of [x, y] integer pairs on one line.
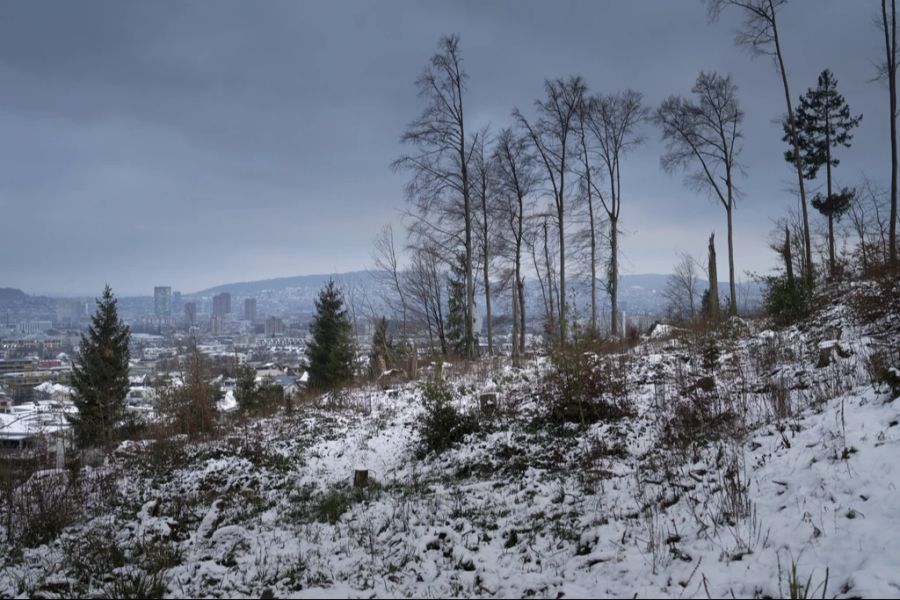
{"points": [[228, 402], [515, 511]]}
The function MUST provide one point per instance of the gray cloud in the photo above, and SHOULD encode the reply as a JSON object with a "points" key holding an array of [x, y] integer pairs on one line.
{"points": [[192, 144]]}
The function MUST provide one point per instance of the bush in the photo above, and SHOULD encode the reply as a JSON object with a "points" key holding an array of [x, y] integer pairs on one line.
{"points": [[878, 299], [785, 302], [442, 425], [583, 389], [695, 422]]}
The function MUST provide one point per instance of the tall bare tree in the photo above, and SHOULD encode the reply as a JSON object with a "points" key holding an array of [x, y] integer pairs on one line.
{"points": [[483, 190], [703, 135], [440, 188], [759, 34], [614, 120], [888, 73], [387, 262], [551, 135], [588, 181], [516, 179]]}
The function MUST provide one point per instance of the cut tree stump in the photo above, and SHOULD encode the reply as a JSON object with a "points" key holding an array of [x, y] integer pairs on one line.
{"points": [[360, 478], [488, 403]]}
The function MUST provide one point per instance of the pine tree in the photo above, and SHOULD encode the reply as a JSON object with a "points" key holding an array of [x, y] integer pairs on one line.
{"points": [[100, 376], [330, 352], [823, 122], [456, 307], [245, 390]]}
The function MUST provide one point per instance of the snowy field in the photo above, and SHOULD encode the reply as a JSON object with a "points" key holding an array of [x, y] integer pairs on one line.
{"points": [[797, 479]]}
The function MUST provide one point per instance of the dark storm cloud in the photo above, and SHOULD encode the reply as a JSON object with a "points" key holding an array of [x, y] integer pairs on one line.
{"points": [[192, 144]]}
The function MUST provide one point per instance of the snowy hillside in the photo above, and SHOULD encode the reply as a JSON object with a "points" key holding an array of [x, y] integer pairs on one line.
{"points": [[743, 466]]}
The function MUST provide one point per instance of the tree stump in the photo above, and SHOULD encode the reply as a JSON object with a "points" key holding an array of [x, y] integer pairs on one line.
{"points": [[413, 369], [488, 403], [360, 478]]}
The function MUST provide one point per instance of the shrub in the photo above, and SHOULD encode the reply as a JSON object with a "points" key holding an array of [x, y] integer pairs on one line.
{"points": [[583, 389], [442, 425], [42, 507], [710, 355], [877, 299], [694, 422], [136, 585], [786, 302]]}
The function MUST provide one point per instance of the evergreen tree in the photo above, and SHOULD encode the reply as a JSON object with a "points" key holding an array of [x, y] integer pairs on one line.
{"points": [[330, 352], [245, 390], [823, 122], [456, 307], [100, 376]]}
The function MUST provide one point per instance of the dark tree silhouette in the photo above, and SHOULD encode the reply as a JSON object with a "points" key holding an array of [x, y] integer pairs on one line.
{"points": [[330, 352], [823, 122], [100, 376]]}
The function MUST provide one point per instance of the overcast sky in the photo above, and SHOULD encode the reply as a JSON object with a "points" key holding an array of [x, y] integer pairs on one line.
{"points": [[192, 144]]}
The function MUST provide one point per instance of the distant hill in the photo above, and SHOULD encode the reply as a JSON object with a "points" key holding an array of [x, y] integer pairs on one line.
{"points": [[16, 305], [638, 293], [249, 288]]}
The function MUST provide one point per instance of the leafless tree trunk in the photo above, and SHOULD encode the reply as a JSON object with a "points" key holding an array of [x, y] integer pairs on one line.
{"points": [[440, 186], [760, 34], [788, 262], [704, 134], [587, 189], [516, 180], [713, 277], [613, 120], [888, 72], [388, 263], [550, 136], [483, 190]]}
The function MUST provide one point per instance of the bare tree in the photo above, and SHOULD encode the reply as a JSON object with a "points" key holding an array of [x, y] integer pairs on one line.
{"points": [[888, 73], [868, 217], [682, 288], [483, 189], [588, 181], [759, 34], [516, 179], [703, 135], [424, 287], [550, 135], [387, 262], [440, 163], [539, 243], [614, 120]]}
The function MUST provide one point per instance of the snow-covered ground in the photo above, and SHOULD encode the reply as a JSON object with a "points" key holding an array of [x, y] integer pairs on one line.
{"points": [[798, 473]]}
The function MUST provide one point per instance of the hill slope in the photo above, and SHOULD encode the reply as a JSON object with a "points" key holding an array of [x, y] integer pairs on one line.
{"points": [[725, 475]]}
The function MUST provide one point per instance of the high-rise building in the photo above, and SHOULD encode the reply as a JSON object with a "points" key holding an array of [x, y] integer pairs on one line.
{"points": [[162, 301], [250, 309], [190, 313], [221, 304], [216, 325], [274, 326]]}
